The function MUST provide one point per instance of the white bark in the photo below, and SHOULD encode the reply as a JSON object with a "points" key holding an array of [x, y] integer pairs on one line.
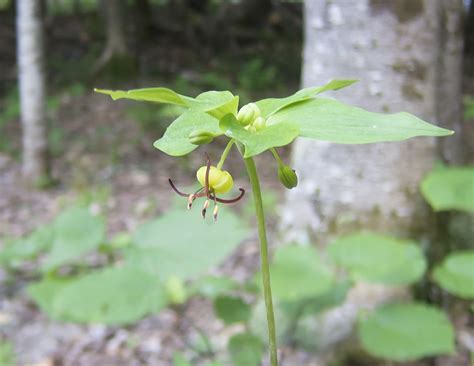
{"points": [[394, 49], [30, 56]]}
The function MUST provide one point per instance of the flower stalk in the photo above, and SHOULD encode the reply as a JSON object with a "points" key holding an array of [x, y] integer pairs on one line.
{"points": [[262, 234]]}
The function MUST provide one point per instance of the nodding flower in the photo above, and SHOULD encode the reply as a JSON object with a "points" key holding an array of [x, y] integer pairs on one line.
{"points": [[213, 181]]}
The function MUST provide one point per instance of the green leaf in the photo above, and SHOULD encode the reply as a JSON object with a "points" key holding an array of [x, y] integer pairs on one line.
{"points": [[314, 305], [76, 232], [7, 354], [216, 103], [180, 360], [404, 332], [450, 188], [272, 105], [375, 258], [232, 309], [297, 273], [330, 120], [256, 142], [456, 274], [245, 349], [175, 141], [44, 292], [159, 95], [118, 295], [181, 243], [28, 248], [211, 287]]}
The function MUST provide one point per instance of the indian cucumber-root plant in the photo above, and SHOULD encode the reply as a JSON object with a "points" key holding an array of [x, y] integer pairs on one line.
{"points": [[263, 126]]}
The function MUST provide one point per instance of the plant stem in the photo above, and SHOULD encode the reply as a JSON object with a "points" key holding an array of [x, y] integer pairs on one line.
{"points": [[262, 234], [276, 156], [224, 154]]}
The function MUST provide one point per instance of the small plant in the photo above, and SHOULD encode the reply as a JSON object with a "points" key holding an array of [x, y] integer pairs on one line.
{"points": [[263, 126]]}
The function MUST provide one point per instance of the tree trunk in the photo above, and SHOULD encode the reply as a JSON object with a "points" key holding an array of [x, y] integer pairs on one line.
{"points": [[399, 50], [116, 50], [31, 76]]}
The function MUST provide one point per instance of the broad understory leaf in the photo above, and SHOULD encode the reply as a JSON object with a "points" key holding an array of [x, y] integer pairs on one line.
{"points": [[403, 332], [450, 188], [175, 141], [245, 349], [379, 259], [76, 232], [44, 292], [330, 120], [313, 305], [456, 274], [211, 286], [232, 309], [28, 248], [272, 105], [297, 273], [115, 296], [257, 142], [181, 244]]}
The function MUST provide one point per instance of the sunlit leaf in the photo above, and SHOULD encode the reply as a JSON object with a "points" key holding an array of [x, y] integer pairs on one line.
{"points": [[159, 95], [216, 103], [297, 273], [456, 274], [245, 349], [175, 141], [181, 243], [376, 258], [257, 142], [404, 332], [330, 120], [76, 232], [450, 188], [272, 105], [232, 309]]}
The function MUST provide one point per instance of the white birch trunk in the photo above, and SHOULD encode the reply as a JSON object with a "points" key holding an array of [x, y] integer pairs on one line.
{"points": [[394, 49], [31, 76]]}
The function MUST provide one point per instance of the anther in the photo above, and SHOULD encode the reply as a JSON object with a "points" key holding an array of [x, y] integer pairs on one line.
{"points": [[216, 208], [191, 199], [204, 209]]}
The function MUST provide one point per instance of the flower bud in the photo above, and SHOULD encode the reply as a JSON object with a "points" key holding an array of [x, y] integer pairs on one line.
{"points": [[248, 113], [287, 176], [259, 123], [201, 137]]}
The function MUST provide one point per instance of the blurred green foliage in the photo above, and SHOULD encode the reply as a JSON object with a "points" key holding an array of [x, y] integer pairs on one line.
{"points": [[469, 107], [7, 354], [404, 332], [450, 188]]}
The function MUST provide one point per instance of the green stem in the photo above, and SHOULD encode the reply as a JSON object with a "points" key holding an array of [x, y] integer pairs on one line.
{"points": [[224, 154], [262, 234], [276, 156]]}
